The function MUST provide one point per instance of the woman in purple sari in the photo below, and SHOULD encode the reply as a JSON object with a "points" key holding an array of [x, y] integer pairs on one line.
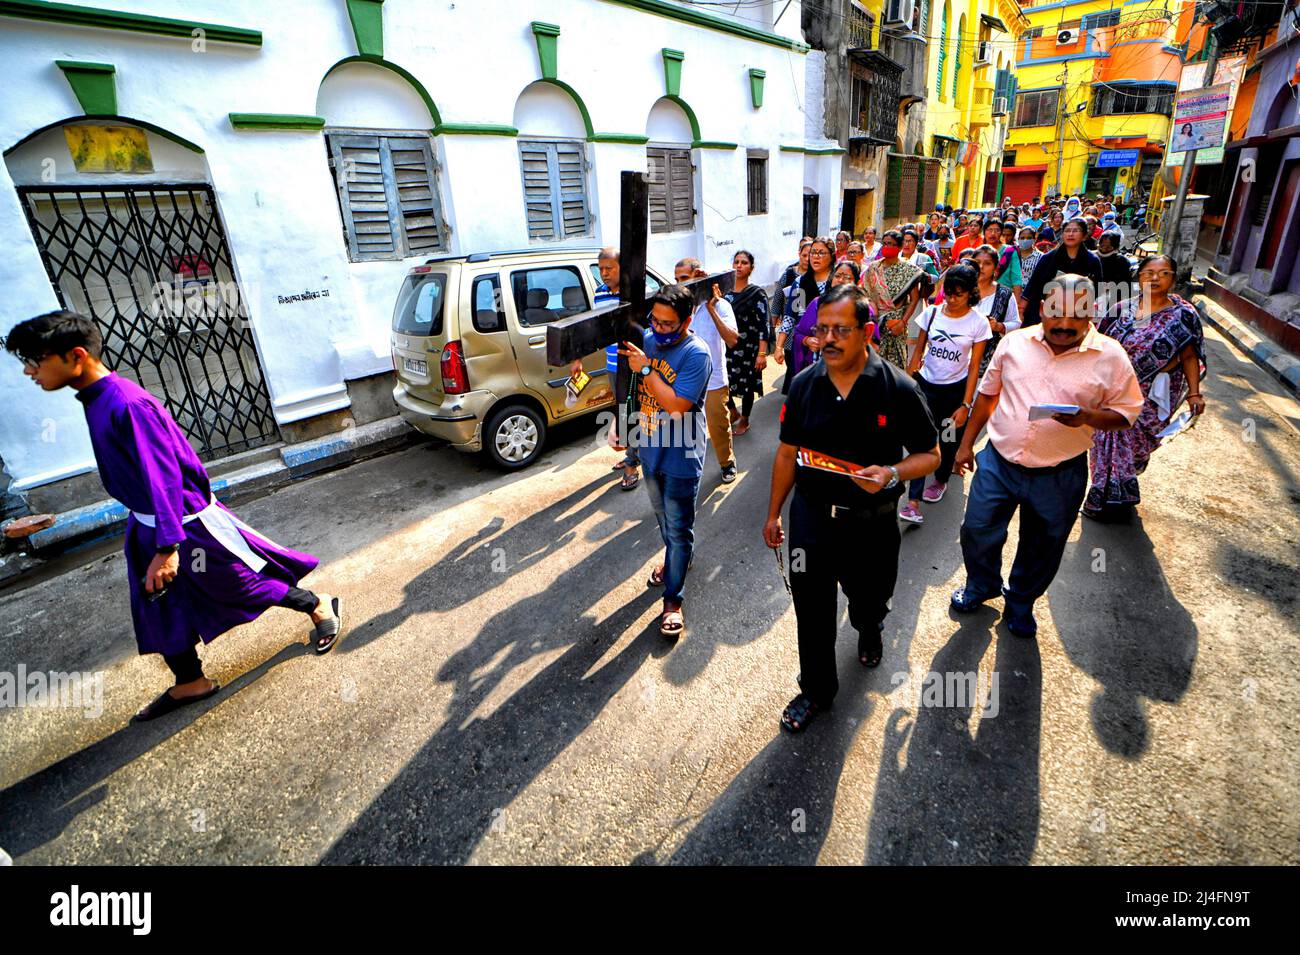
{"points": [[1162, 335], [805, 348]]}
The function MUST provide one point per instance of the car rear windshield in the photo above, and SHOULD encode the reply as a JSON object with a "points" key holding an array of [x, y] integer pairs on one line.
{"points": [[419, 306]]}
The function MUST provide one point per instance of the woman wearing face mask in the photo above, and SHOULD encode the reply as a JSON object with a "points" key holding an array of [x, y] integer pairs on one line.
{"points": [[1029, 256], [993, 300], [1008, 262], [1068, 257], [806, 344], [1116, 273], [1163, 337], [942, 248], [913, 254], [811, 284], [895, 290], [747, 359], [779, 318], [841, 246], [947, 357]]}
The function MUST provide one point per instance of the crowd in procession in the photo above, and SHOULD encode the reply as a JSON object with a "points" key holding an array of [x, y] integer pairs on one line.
{"points": [[898, 353]]}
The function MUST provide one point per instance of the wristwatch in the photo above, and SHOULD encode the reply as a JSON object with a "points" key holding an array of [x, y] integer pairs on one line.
{"points": [[645, 371], [893, 481], [169, 549]]}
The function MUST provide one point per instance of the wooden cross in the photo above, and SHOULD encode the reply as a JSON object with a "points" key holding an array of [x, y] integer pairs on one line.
{"points": [[579, 335]]}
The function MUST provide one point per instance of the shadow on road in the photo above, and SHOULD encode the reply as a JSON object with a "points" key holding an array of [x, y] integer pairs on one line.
{"points": [[945, 797], [38, 809], [1135, 649]]}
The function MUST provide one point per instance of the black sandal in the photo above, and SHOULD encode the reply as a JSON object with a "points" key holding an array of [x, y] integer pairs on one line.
{"points": [[327, 632], [166, 703], [798, 714], [630, 481], [869, 655], [656, 577]]}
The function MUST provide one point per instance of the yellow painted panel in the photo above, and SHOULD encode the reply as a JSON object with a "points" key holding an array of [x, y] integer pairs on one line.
{"points": [[108, 149]]}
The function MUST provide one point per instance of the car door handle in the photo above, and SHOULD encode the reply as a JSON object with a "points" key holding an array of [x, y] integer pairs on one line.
{"points": [[537, 340]]}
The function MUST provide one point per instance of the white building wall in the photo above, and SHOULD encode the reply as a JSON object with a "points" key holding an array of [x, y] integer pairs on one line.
{"points": [[277, 197]]}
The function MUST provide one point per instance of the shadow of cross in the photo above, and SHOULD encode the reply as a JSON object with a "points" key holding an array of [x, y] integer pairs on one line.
{"points": [[579, 335]]}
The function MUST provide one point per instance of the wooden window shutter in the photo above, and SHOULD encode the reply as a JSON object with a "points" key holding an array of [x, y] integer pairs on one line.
{"points": [[414, 185], [657, 177], [539, 206], [363, 196], [555, 189], [571, 172], [681, 190]]}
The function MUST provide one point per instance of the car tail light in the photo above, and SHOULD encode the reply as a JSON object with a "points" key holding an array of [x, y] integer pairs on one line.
{"points": [[455, 376]]}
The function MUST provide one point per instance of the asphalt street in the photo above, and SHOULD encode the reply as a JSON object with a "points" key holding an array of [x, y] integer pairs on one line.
{"points": [[503, 695]]}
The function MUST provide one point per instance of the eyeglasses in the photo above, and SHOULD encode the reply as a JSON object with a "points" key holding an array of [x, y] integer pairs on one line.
{"points": [[819, 252], [838, 332], [34, 364], [1162, 274], [663, 327]]}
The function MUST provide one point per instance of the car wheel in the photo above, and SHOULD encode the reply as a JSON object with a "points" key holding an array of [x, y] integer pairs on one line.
{"points": [[513, 437]]}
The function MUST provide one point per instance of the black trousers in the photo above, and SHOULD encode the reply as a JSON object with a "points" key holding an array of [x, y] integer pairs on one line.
{"points": [[943, 402], [857, 553], [187, 667]]}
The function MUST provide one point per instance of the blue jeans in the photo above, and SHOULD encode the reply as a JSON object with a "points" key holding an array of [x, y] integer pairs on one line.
{"points": [[1049, 500], [673, 500]]}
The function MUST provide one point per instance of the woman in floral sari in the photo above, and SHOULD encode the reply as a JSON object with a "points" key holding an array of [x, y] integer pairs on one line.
{"points": [[1162, 335], [894, 287]]}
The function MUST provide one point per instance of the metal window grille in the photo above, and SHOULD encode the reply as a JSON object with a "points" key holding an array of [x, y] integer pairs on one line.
{"points": [[860, 27], [756, 182], [554, 177], [388, 195], [152, 267], [1037, 108]]}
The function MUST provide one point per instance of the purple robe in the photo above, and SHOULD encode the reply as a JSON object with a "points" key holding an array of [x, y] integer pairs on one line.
{"points": [[146, 463], [801, 356]]}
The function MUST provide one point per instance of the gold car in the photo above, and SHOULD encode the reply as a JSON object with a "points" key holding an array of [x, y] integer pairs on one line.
{"points": [[469, 348]]}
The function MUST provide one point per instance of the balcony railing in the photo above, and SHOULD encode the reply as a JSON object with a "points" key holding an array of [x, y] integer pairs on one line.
{"points": [[1147, 28], [910, 55], [873, 97]]}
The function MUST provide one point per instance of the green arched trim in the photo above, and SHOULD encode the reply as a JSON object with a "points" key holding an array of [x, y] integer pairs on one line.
{"points": [[404, 74], [582, 107], [157, 130], [690, 115]]}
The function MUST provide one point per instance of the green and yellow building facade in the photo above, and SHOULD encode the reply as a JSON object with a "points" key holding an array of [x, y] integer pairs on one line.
{"points": [[1092, 95]]}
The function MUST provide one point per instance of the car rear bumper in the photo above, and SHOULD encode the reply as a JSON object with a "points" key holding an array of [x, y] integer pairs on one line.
{"points": [[458, 420]]}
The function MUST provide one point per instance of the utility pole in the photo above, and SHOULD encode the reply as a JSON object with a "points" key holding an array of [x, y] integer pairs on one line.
{"points": [[1060, 125], [1189, 162]]}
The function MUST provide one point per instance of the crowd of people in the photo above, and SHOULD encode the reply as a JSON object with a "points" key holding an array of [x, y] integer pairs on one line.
{"points": [[899, 351]]}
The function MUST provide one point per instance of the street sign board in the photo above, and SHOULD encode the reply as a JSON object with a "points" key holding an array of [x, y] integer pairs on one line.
{"points": [[1117, 158], [1201, 118]]}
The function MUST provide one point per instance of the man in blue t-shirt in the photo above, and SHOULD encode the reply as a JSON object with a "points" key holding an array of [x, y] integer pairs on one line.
{"points": [[673, 367]]}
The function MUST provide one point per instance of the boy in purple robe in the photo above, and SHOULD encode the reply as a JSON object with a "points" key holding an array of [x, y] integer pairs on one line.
{"points": [[194, 569]]}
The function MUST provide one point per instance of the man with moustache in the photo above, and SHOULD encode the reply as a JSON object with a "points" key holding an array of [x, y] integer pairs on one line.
{"points": [[855, 406], [1040, 466]]}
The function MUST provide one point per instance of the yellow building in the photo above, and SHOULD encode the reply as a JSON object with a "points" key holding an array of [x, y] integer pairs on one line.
{"points": [[1093, 92], [972, 50]]}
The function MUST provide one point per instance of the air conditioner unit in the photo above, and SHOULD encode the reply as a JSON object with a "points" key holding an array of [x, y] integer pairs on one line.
{"points": [[999, 105], [900, 11], [984, 52], [1066, 37]]}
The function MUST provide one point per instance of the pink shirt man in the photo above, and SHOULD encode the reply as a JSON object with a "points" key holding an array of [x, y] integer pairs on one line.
{"points": [[1024, 371]]}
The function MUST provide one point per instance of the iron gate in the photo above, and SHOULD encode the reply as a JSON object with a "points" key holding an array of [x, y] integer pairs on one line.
{"points": [[151, 265]]}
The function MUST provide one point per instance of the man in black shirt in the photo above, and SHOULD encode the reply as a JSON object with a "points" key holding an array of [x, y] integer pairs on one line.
{"points": [[854, 406]]}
